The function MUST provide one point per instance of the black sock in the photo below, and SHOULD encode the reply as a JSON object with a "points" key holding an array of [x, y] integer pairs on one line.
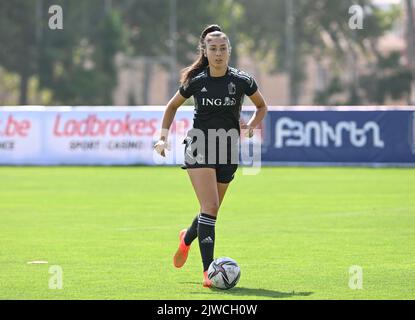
{"points": [[191, 233], [206, 235]]}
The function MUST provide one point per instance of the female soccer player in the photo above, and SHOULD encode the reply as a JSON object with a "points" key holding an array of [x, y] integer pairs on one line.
{"points": [[218, 92]]}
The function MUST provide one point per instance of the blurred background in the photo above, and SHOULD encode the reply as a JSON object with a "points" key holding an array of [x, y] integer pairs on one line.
{"points": [[339, 77], [130, 52]]}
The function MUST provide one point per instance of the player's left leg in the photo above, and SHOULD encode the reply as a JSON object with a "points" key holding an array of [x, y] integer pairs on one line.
{"points": [[222, 187], [190, 233]]}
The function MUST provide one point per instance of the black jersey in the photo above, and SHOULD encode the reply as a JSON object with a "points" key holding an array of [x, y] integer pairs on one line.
{"points": [[218, 100]]}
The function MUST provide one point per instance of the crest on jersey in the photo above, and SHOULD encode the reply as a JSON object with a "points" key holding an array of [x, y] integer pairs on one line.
{"points": [[232, 88]]}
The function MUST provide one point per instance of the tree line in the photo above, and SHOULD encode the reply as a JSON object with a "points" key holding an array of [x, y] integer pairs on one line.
{"points": [[76, 64]]}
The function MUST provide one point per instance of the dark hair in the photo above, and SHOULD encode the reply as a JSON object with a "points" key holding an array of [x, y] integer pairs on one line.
{"points": [[201, 62]]}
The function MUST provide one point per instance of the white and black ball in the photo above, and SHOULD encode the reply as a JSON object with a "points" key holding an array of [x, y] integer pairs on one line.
{"points": [[224, 273]]}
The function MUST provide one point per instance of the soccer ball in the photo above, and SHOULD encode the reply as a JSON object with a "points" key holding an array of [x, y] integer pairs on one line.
{"points": [[224, 273]]}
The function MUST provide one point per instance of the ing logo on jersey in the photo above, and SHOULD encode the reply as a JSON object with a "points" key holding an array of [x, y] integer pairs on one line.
{"points": [[218, 102]]}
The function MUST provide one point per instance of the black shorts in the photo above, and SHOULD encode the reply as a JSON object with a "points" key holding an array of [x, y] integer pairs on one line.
{"points": [[225, 172]]}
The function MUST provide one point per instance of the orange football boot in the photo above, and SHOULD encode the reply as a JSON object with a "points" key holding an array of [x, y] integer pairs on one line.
{"points": [[181, 254], [206, 282]]}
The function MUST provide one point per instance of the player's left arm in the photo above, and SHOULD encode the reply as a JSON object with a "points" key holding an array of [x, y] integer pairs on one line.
{"points": [[261, 109]]}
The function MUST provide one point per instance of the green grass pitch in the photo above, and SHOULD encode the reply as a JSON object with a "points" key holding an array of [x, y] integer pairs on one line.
{"points": [[295, 232]]}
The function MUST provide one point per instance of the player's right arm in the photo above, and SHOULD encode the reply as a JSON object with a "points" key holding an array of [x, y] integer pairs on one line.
{"points": [[168, 117]]}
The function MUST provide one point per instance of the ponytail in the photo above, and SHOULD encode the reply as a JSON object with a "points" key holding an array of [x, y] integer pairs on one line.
{"points": [[201, 61]]}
